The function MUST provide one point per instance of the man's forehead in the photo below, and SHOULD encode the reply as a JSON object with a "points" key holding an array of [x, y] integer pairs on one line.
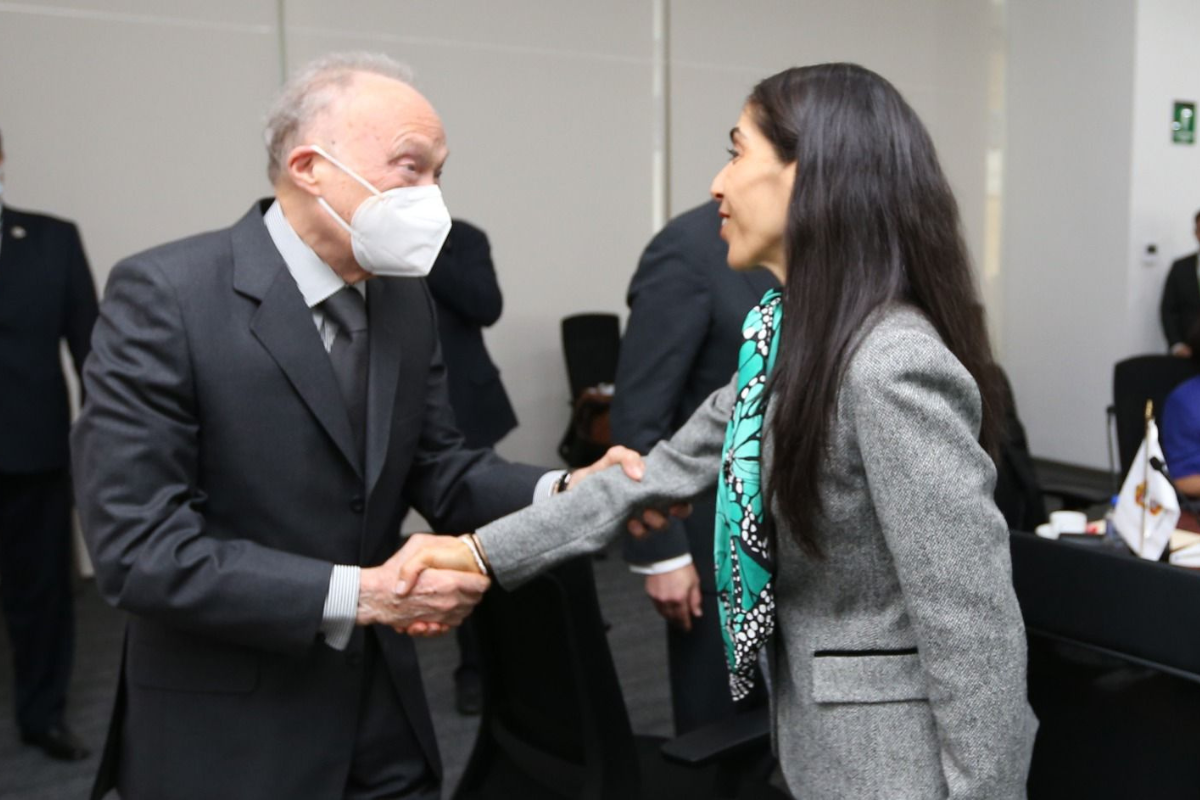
{"points": [[378, 100]]}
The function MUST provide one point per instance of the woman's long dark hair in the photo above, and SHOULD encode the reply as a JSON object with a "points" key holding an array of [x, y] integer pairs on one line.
{"points": [[871, 220]]}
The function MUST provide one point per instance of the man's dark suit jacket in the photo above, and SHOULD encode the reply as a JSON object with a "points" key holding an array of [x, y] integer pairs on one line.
{"points": [[686, 309], [467, 295], [217, 483], [46, 295], [1180, 307]]}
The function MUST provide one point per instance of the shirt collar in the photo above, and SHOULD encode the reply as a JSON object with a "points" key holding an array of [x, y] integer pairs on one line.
{"points": [[316, 280]]}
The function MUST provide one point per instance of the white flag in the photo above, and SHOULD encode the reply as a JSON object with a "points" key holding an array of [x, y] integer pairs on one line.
{"points": [[1148, 509]]}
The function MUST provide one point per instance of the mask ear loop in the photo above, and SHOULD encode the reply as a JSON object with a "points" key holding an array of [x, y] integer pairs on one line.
{"points": [[321, 200]]}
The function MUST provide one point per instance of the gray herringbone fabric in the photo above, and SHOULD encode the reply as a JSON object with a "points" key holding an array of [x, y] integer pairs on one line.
{"points": [[899, 661]]}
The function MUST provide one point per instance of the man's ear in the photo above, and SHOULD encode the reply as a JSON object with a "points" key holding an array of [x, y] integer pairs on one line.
{"points": [[300, 166]]}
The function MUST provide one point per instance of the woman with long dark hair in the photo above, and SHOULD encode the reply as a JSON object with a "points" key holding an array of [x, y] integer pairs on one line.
{"points": [[857, 540]]}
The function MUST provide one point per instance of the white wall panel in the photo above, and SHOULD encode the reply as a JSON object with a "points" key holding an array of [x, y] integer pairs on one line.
{"points": [[141, 131], [1066, 211]]}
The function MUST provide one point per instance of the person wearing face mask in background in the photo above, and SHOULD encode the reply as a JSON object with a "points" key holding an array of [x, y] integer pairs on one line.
{"points": [[46, 296], [259, 417]]}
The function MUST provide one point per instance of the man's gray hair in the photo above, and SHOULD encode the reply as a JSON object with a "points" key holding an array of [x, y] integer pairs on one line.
{"points": [[310, 91]]}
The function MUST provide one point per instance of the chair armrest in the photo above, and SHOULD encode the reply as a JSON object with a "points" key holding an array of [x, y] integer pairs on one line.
{"points": [[748, 731]]}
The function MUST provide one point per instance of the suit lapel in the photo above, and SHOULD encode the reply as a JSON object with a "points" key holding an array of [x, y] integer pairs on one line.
{"points": [[284, 326], [385, 320], [12, 245]]}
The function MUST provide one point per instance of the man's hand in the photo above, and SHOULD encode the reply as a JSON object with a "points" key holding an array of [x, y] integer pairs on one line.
{"points": [[630, 461], [1182, 350], [436, 602], [634, 468], [676, 595]]}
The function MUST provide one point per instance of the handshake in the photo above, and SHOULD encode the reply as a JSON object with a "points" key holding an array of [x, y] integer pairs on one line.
{"points": [[433, 582]]}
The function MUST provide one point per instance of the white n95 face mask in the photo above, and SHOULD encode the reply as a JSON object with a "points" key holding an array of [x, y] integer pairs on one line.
{"points": [[397, 233]]}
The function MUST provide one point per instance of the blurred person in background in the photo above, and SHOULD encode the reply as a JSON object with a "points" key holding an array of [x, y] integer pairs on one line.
{"points": [[468, 299], [686, 308], [1181, 425], [1180, 306], [46, 297]]}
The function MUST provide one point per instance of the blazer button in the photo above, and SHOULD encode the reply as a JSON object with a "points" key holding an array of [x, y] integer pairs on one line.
{"points": [[357, 504], [355, 659]]}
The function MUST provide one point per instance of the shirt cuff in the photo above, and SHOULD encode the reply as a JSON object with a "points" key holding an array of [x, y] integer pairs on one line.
{"points": [[341, 606], [545, 485], [660, 567]]}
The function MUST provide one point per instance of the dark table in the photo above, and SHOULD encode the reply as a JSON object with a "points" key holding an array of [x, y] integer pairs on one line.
{"points": [[1114, 670]]}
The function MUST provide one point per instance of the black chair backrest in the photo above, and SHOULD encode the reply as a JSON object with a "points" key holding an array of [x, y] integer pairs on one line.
{"points": [[554, 717], [591, 344], [1136, 380]]}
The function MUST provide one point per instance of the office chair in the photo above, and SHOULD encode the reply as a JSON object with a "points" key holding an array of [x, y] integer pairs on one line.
{"points": [[1136, 380], [554, 722], [591, 345]]}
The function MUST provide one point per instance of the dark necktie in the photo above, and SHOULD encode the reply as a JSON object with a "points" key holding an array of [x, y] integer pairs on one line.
{"points": [[348, 311]]}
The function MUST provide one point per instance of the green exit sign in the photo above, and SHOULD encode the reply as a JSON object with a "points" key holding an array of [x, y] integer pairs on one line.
{"points": [[1183, 126]]}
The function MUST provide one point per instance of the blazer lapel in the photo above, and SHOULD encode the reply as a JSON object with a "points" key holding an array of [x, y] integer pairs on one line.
{"points": [[385, 320], [284, 326]]}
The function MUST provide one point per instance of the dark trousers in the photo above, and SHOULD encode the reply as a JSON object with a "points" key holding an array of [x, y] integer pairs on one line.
{"points": [[699, 677], [35, 592], [389, 763]]}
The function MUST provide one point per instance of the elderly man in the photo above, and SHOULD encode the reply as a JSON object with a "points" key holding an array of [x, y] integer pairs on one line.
{"points": [[259, 417]]}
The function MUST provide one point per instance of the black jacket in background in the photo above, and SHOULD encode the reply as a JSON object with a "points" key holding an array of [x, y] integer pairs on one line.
{"points": [[467, 295], [46, 295], [686, 309], [1180, 307]]}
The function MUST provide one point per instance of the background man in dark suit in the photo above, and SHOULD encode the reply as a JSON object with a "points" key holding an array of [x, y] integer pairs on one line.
{"points": [[1180, 307], [686, 309], [46, 296], [468, 299], [259, 418]]}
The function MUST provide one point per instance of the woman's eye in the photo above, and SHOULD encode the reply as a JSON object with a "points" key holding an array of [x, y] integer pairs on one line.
{"points": [[733, 154]]}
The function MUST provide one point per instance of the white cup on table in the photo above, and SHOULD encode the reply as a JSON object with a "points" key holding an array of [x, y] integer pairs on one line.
{"points": [[1068, 522]]}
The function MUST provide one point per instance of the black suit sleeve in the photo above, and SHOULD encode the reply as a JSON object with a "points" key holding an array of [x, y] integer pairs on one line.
{"points": [[464, 277], [135, 464], [456, 488], [1172, 309], [79, 315], [670, 308]]}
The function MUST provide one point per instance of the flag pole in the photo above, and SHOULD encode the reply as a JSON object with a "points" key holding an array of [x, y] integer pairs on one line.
{"points": [[1146, 470]]}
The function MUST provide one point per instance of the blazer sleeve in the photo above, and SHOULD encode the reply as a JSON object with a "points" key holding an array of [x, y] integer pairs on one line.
{"points": [[135, 465], [670, 311], [916, 416], [464, 277], [454, 487], [593, 513], [80, 310]]}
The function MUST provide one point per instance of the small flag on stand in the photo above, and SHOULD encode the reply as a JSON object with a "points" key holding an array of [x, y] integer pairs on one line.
{"points": [[1148, 509]]}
